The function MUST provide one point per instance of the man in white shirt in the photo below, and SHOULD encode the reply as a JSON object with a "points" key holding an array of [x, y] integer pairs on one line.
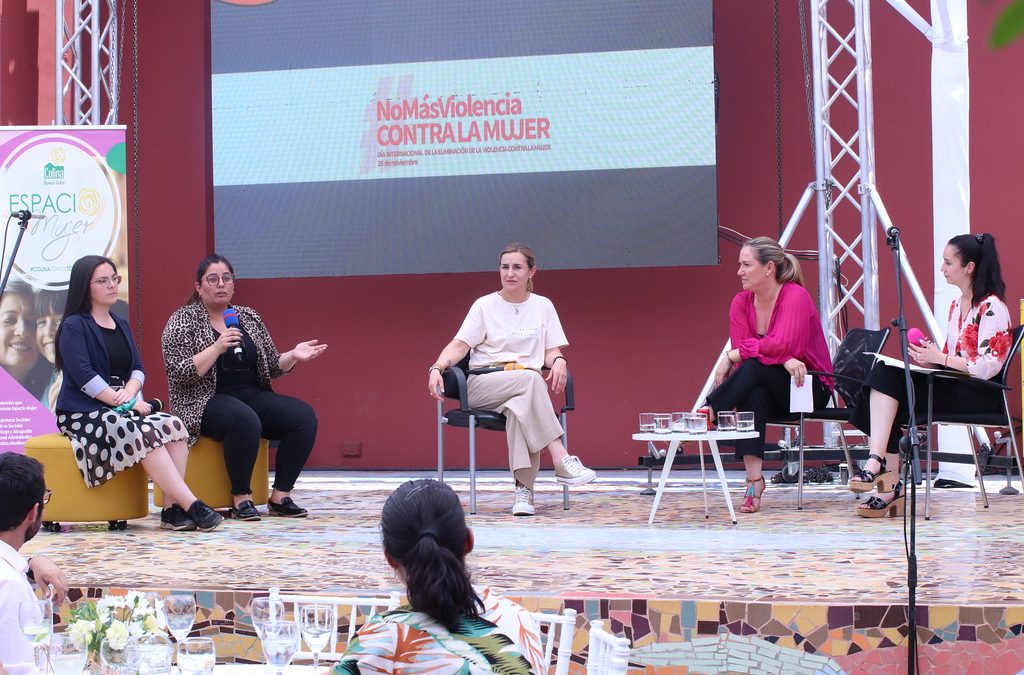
{"points": [[22, 496]]}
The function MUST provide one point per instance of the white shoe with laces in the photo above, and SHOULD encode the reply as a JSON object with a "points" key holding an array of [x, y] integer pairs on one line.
{"points": [[523, 505], [572, 472]]}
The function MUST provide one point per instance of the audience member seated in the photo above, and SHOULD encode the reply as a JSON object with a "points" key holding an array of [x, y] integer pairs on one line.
{"points": [[977, 343], [776, 337], [517, 329], [22, 496], [448, 626], [219, 377], [99, 407]]}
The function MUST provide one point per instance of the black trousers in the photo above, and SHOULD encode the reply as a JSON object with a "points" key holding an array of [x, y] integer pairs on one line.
{"points": [[240, 419], [763, 390], [949, 395]]}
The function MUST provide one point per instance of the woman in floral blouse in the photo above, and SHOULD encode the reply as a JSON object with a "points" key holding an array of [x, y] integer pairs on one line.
{"points": [[448, 626], [977, 343]]}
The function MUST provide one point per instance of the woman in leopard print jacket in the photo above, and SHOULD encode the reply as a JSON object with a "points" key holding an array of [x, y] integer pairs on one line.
{"points": [[220, 360]]}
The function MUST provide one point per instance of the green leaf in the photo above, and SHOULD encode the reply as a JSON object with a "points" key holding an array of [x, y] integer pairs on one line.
{"points": [[1009, 26]]}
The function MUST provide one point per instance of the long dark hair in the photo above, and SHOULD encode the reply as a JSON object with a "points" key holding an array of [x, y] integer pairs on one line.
{"points": [[204, 265], [424, 530], [980, 249], [79, 300]]}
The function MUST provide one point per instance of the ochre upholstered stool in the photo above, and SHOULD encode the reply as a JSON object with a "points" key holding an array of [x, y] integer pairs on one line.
{"points": [[123, 497], [207, 476]]}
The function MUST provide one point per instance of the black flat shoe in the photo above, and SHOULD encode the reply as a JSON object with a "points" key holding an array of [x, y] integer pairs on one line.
{"points": [[175, 518], [205, 518], [950, 483], [244, 511], [286, 509]]}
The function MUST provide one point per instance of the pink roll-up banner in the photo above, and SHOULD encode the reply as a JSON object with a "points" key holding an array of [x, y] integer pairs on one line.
{"points": [[73, 178]]}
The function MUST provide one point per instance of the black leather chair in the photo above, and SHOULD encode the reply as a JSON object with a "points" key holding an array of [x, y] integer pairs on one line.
{"points": [[850, 367], [997, 417], [455, 388]]}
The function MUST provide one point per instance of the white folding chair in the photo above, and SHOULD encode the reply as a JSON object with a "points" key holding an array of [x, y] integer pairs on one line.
{"points": [[369, 604], [560, 629], [607, 654]]}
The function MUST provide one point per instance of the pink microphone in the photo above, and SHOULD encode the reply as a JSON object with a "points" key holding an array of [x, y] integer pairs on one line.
{"points": [[916, 337]]}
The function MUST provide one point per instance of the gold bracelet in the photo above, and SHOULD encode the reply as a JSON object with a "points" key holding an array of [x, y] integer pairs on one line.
{"points": [[434, 367], [945, 361]]}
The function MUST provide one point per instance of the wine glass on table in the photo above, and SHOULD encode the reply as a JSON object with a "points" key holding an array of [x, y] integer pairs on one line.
{"points": [[280, 642], [318, 623], [36, 619], [179, 614], [262, 610]]}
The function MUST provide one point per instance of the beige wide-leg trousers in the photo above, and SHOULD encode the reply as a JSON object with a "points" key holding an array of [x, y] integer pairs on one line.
{"points": [[531, 423]]}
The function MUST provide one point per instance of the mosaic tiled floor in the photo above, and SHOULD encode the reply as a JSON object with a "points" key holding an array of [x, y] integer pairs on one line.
{"points": [[693, 595]]}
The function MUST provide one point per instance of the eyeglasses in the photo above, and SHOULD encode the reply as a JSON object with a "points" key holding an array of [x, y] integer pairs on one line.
{"points": [[226, 278], [108, 281], [46, 496]]}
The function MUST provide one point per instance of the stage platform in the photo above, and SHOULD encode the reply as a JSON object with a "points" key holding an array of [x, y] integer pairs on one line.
{"points": [[812, 591]]}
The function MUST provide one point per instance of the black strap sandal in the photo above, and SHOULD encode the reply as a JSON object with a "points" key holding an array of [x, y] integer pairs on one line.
{"points": [[876, 507], [866, 481]]}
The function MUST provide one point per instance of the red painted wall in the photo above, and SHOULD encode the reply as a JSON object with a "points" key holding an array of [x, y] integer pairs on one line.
{"points": [[642, 339]]}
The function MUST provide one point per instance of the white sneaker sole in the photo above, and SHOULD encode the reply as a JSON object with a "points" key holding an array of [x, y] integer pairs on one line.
{"points": [[587, 477], [523, 510]]}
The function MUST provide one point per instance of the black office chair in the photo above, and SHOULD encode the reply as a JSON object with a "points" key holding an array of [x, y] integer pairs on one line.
{"points": [[999, 417], [850, 367], [455, 388]]}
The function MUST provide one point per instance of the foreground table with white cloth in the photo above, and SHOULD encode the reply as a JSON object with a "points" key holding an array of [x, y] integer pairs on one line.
{"points": [[711, 438]]}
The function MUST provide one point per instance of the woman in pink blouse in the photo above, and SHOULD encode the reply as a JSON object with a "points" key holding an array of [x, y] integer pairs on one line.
{"points": [[977, 343], [776, 336]]}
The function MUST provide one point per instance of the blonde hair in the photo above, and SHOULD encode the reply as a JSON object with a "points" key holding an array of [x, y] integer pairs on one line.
{"points": [[766, 250], [531, 258]]}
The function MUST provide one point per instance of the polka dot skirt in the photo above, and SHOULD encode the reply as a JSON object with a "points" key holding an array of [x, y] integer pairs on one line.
{"points": [[106, 443]]}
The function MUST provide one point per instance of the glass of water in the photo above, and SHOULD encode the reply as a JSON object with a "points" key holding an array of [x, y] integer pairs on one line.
{"points": [[662, 423], [696, 423], [67, 655], [149, 654], [262, 610], [196, 655], [319, 623], [727, 421], [679, 421], [280, 642], [744, 421], [646, 423], [36, 619]]}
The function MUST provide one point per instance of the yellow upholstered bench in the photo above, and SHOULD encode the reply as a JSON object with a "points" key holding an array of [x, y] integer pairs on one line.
{"points": [[207, 476], [122, 498]]}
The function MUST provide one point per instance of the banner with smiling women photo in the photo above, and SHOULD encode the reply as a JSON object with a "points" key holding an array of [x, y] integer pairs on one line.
{"points": [[72, 180]]}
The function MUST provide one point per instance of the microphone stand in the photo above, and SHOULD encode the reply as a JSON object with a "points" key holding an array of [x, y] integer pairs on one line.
{"points": [[23, 218], [910, 452]]}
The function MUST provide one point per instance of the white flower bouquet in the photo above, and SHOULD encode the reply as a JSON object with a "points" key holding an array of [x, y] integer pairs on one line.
{"points": [[118, 618]]}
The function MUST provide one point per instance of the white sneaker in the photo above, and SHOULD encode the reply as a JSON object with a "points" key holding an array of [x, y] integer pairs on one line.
{"points": [[524, 502], [572, 472]]}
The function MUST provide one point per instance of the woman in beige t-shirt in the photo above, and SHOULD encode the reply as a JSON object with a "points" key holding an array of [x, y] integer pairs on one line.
{"points": [[516, 326]]}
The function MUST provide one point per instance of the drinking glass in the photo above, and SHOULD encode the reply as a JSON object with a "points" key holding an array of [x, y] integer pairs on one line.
{"points": [[679, 421], [36, 619], [196, 655], [180, 614], [280, 642], [318, 623], [150, 654], [646, 423], [67, 655], [262, 610], [697, 423], [114, 661], [727, 421], [744, 421], [662, 423]]}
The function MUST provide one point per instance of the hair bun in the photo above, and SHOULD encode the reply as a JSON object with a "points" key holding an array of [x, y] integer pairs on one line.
{"points": [[980, 237]]}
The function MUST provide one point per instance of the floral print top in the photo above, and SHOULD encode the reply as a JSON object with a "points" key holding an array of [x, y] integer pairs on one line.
{"points": [[504, 639], [982, 337]]}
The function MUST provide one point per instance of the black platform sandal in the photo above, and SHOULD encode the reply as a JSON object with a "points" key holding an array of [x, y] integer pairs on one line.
{"points": [[881, 508], [868, 480]]}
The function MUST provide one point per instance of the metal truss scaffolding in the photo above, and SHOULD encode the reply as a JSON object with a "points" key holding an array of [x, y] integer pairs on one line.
{"points": [[87, 64]]}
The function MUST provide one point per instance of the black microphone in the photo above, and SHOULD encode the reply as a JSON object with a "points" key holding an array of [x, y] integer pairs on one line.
{"points": [[156, 404], [231, 321], [24, 214], [893, 232]]}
